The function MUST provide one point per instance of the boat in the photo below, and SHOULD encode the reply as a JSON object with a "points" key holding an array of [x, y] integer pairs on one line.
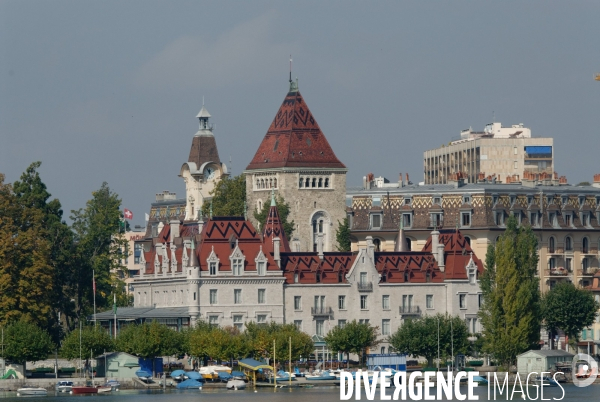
{"points": [[190, 384], [298, 372], [32, 391], [236, 384], [178, 375], [64, 386], [144, 375], [545, 381], [211, 373], [322, 376], [84, 389], [114, 384], [238, 375], [102, 389], [193, 375], [224, 376], [480, 380]]}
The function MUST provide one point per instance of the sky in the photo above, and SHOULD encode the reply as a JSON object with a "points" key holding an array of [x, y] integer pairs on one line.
{"points": [[109, 90]]}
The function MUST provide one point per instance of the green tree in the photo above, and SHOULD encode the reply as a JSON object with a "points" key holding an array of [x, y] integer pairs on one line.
{"points": [[284, 211], [342, 236], [260, 337], [583, 183], [98, 251], [93, 338], [31, 192], [511, 312], [354, 337], [419, 337], [228, 197], [24, 341], [569, 308], [26, 270]]}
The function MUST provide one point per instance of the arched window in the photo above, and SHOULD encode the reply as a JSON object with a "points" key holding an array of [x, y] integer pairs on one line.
{"points": [[301, 183], [314, 182], [257, 183], [428, 276], [377, 244], [551, 245], [326, 182], [384, 276], [260, 205], [275, 182], [568, 244], [262, 183], [585, 246], [307, 184], [406, 276], [340, 276], [318, 277], [320, 182], [321, 226]]}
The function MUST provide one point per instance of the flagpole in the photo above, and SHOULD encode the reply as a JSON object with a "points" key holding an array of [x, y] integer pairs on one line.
{"points": [[115, 312], [94, 285]]}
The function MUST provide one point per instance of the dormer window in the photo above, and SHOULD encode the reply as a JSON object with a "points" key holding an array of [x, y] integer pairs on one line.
{"points": [[237, 266], [406, 276], [407, 201], [529, 200], [466, 199], [296, 277], [261, 263], [494, 199], [212, 268], [568, 219], [564, 200], [552, 219], [437, 201], [213, 263], [375, 221], [512, 198]]}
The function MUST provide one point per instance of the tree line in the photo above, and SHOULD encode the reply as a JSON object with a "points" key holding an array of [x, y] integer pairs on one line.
{"points": [[46, 265]]}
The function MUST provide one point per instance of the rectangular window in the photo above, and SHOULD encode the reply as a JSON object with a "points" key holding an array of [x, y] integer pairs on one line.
{"points": [[297, 303], [474, 328], [238, 266], [363, 302], [213, 268], [376, 221], [298, 324], [568, 220], [238, 321], [407, 301], [237, 296], [363, 321], [319, 327], [436, 220], [296, 277], [407, 220], [261, 268], [261, 318], [213, 296], [516, 165], [533, 217], [462, 300], [342, 302], [466, 219], [479, 300], [499, 218], [363, 278], [569, 264], [385, 302], [213, 320], [385, 327], [138, 250], [429, 301], [261, 296], [341, 323]]}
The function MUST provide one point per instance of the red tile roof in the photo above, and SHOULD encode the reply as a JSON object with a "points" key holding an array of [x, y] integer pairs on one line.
{"points": [[457, 254], [274, 228], [204, 149], [294, 139]]}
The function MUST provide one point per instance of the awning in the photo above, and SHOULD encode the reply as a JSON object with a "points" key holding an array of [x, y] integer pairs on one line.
{"points": [[253, 364]]}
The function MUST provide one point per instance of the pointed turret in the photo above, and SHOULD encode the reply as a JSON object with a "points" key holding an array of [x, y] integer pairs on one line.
{"points": [[204, 146], [274, 228], [294, 138]]}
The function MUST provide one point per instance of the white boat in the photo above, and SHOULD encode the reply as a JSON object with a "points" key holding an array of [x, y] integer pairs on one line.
{"points": [[236, 384], [32, 392], [545, 381], [64, 386], [104, 388]]}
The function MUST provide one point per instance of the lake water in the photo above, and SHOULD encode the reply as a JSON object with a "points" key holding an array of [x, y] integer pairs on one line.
{"points": [[317, 394]]}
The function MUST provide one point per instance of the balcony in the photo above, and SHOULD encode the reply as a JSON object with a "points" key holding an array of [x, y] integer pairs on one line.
{"points": [[410, 310], [321, 311], [587, 272], [365, 286], [558, 271]]}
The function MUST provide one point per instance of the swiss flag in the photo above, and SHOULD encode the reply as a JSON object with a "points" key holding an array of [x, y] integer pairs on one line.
{"points": [[127, 214]]}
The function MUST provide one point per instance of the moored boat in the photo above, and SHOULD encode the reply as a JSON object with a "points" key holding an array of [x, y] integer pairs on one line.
{"points": [[322, 376], [32, 391], [64, 386], [84, 389], [545, 381], [178, 375], [190, 384], [102, 389], [236, 384], [144, 375]]}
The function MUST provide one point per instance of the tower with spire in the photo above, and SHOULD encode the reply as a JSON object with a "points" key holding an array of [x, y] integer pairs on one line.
{"points": [[203, 168], [296, 161]]}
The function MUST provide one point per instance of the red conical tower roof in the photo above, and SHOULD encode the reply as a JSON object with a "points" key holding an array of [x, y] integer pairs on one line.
{"points": [[294, 139], [274, 228]]}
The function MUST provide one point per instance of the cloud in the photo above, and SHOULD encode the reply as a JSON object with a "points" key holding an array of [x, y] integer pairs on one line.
{"points": [[245, 53]]}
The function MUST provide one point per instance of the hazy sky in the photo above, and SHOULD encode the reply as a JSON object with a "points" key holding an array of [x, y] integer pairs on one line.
{"points": [[109, 90]]}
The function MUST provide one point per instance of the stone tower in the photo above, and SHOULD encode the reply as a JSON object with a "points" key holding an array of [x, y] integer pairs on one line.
{"points": [[203, 168], [296, 161]]}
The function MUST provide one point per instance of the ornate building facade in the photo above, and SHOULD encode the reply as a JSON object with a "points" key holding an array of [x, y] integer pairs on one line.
{"points": [[296, 161]]}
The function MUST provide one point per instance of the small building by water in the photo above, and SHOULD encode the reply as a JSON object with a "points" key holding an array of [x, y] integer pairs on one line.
{"points": [[541, 360], [117, 365]]}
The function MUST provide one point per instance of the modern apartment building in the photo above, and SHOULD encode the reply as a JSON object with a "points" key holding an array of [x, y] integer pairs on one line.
{"points": [[495, 153]]}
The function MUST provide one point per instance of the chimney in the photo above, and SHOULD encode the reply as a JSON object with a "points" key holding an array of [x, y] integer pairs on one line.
{"points": [[435, 240], [596, 182], [370, 248], [562, 180], [174, 229], [320, 237], [276, 250], [400, 183], [407, 181]]}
